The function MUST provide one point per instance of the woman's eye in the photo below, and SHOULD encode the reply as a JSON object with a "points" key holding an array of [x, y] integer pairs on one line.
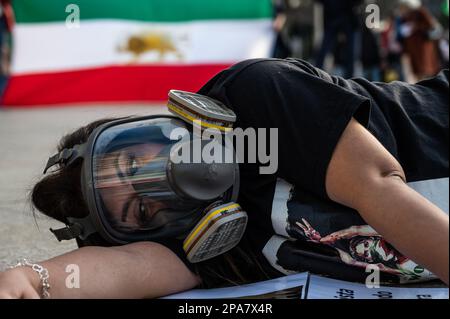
{"points": [[142, 212], [132, 165]]}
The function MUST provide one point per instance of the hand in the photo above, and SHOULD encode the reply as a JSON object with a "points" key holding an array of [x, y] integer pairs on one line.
{"points": [[342, 234], [310, 232], [279, 22], [330, 239], [19, 283], [347, 259]]}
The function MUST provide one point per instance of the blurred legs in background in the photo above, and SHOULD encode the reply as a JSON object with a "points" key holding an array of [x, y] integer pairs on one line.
{"points": [[3, 77], [329, 42], [6, 23]]}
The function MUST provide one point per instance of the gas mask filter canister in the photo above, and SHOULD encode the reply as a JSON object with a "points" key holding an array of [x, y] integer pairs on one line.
{"points": [[220, 230], [223, 223], [192, 107]]}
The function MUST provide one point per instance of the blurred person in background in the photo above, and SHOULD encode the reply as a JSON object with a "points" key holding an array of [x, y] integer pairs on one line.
{"points": [[420, 32], [444, 41], [281, 49], [6, 23], [293, 26], [299, 28], [339, 17], [340, 56], [392, 50], [370, 54]]}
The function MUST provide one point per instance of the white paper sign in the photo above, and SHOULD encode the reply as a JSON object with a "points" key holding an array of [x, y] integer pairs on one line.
{"points": [[291, 287], [299, 287], [324, 288]]}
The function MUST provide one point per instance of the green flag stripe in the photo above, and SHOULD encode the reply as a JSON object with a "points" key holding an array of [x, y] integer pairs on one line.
{"points": [[34, 11]]}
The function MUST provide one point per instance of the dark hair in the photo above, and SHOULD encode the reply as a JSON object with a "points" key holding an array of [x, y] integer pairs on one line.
{"points": [[58, 195]]}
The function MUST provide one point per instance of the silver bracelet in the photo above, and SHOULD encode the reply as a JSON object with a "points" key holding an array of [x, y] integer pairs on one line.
{"points": [[43, 275]]}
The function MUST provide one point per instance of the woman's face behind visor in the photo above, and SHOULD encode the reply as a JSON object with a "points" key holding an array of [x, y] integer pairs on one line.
{"points": [[133, 193], [127, 209]]}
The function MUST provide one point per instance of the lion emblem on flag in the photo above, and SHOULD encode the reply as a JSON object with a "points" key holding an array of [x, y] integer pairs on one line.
{"points": [[142, 43]]}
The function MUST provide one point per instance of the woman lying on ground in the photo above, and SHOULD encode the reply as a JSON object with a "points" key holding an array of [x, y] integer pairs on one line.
{"points": [[355, 161]]}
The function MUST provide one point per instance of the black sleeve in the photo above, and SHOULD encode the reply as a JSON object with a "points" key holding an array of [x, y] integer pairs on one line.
{"points": [[309, 111]]}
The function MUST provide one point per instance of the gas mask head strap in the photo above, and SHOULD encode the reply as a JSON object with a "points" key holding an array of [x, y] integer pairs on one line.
{"points": [[77, 228], [66, 157]]}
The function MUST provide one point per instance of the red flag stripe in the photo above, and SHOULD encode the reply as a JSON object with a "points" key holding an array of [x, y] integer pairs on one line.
{"points": [[107, 84]]}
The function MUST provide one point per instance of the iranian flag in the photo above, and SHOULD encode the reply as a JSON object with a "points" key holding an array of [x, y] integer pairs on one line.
{"points": [[129, 51]]}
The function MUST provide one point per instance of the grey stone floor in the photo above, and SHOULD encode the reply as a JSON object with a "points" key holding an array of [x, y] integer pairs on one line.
{"points": [[27, 138]]}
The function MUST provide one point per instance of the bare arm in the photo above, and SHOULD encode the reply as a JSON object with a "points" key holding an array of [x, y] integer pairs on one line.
{"points": [[140, 270], [346, 258], [353, 231], [365, 176]]}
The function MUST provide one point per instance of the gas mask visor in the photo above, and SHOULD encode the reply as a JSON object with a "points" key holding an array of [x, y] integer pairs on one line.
{"points": [[132, 192], [133, 188]]}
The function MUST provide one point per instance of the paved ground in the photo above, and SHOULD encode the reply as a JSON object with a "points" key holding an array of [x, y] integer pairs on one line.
{"points": [[27, 139]]}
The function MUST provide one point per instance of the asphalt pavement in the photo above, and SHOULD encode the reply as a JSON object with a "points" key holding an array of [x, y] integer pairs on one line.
{"points": [[27, 138]]}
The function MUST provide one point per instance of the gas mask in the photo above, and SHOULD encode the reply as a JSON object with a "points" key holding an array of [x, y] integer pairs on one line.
{"points": [[136, 188]]}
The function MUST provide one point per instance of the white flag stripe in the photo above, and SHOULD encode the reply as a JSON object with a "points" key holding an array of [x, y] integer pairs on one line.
{"points": [[49, 47]]}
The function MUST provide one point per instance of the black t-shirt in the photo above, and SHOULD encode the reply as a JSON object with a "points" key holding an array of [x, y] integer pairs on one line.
{"points": [[290, 210]]}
